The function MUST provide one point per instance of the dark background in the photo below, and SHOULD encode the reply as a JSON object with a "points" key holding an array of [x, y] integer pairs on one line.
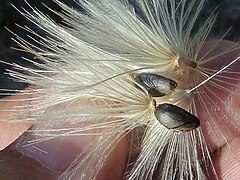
{"points": [[228, 16]]}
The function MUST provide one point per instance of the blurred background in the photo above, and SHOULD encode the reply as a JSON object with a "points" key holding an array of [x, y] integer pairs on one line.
{"points": [[228, 16]]}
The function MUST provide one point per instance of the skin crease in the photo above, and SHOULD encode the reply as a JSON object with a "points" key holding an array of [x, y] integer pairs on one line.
{"points": [[62, 150]]}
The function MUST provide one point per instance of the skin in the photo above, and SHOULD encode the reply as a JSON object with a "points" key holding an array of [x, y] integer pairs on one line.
{"points": [[61, 151]]}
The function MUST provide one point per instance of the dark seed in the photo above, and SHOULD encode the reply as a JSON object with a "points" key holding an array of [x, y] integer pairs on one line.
{"points": [[174, 117], [156, 85]]}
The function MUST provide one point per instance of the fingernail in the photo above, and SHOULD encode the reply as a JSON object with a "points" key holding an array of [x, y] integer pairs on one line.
{"points": [[15, 166], [55, 153]]}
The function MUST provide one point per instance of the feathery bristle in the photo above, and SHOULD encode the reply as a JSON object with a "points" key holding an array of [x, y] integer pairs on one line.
{"points": [[88, 67]]}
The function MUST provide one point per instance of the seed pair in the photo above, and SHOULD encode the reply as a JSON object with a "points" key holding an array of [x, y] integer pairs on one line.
{"points": [[169, 115]]}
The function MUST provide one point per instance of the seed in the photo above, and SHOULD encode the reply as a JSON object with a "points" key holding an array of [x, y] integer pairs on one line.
{"points": [[155, 84], [174, 117]]}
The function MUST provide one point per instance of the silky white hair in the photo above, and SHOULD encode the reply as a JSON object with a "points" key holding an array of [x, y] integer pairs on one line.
{"points": [[88, 64]]}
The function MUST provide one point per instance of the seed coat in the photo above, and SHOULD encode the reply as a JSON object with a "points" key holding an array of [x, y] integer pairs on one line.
{"points": [[174, 117], [155, 84]]}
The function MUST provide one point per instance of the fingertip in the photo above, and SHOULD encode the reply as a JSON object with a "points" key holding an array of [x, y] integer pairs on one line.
{"points": [[13, 166], [10, 132], [227, 160], [218, 106], [56, 153]]}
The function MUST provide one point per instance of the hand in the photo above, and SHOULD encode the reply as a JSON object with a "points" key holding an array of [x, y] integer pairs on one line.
{"points": [[32, 163], [61, 150]]}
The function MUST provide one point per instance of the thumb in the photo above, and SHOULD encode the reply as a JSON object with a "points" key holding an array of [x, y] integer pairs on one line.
{"points": [[50, 158]]}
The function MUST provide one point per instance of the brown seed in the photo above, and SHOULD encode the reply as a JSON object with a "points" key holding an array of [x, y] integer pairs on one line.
{"points": [[155, 84], [174, 117]]}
